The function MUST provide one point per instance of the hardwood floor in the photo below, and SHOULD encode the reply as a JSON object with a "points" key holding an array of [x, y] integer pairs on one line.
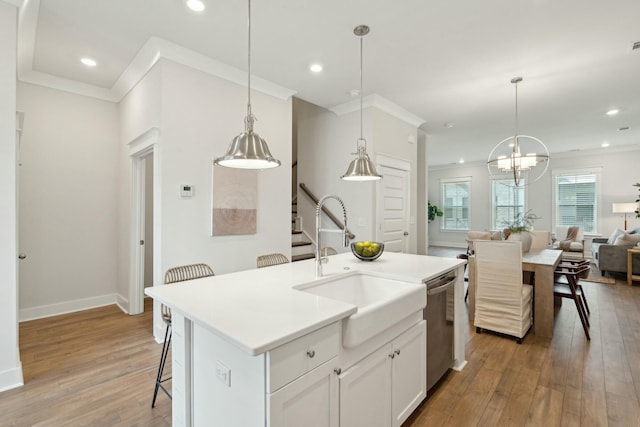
{"points": [[564, 381], [98, 367], [92, 368]]}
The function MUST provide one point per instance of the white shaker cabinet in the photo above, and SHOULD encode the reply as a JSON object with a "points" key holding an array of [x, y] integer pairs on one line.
{"points": [[310, 401], [385, 387]]}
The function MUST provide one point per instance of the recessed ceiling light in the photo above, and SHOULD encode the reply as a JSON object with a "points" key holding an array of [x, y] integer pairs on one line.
{"points": [[612, 112], [605, 144], [353, 93], [448, 125], [316, 68], [461, 161], [195, 5], [89, 62]]}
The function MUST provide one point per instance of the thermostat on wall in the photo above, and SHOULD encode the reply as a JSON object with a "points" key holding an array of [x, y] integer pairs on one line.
{"points": [[186, 190]]}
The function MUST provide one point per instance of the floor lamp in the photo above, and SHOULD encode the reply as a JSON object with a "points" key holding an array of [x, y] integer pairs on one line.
{"points": [[624, 208]]}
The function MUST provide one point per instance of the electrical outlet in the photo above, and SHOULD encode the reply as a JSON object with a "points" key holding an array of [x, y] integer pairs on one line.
{"points": [[223, 374]]}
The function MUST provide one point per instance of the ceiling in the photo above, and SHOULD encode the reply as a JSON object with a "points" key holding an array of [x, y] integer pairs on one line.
{"points": [[442, 61]]}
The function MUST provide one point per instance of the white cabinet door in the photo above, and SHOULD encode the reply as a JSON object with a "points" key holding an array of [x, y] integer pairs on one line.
{"points": [[408, 373], [311, 400], [364, 392]]}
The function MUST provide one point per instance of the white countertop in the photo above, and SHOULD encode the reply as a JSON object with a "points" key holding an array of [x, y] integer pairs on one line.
{"points": [[257, 310]]}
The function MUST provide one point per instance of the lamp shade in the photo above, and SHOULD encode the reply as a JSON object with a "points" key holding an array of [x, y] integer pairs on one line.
{"points": [[361, 168], [624, 207], [248, 151]]}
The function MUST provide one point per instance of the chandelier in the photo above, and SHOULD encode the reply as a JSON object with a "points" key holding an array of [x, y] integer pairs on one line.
{"points": [[521, 159]]}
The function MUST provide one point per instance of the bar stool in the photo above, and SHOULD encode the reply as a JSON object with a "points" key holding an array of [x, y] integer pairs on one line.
{"points": [[271, 259], [174, 275]]}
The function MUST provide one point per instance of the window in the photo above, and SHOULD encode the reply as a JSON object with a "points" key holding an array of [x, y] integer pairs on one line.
{"points": [[506, 202], [455, 203], [576, 200]]}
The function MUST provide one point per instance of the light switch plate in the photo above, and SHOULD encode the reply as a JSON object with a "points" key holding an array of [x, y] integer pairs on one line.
{"points": [[223, 373]]}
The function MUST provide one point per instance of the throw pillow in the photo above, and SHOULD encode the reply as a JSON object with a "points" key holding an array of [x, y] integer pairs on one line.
{"points": [[627, 239], [497, 235], [616, 233]]}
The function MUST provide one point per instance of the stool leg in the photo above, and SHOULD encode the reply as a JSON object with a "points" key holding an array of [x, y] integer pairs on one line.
{"points": [[163, 360]]}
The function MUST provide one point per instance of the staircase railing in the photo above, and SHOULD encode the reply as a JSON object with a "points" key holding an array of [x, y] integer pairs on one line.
{"points": [[331, 216]]}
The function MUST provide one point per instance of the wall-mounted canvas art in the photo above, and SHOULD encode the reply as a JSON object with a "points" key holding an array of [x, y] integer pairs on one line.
{"points": [[234, 201]]}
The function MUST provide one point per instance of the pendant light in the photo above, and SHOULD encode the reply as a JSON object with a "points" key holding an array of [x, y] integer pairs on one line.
{"points": [[508, 162], [361, 168], [248, 150]]}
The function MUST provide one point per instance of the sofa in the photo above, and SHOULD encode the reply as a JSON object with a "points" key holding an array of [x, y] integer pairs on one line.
{"points": [[610, 255]]}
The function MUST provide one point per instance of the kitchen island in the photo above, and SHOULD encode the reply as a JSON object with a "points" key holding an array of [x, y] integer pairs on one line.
{"points": [[254, 348]]}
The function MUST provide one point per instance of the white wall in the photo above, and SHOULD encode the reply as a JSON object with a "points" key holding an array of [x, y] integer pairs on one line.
{"points": [[201, 114], [139, 111], [68, 201], [10, 366], [423, 189], [326, 143], [398, 139], [619, 173], [325, 146]]}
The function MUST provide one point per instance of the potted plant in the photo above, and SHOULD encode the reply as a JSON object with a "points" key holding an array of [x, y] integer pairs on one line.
{"points": [[519, 228], [433, 211]]}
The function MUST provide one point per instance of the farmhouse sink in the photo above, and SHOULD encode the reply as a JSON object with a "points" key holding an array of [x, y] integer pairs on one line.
{"points": [[381, 302]]}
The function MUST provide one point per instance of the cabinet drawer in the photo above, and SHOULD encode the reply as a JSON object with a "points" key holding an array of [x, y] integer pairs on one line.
{"points": [[291, 360]]}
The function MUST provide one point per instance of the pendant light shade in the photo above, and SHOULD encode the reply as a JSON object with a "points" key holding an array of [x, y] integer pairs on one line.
{"points": [[248, 150], [519, 159], [361, 168]]}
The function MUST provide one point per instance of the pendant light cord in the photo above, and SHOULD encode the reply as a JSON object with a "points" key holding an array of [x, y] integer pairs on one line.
{"points": [[250, 119], [516, 109], [361, 95]]}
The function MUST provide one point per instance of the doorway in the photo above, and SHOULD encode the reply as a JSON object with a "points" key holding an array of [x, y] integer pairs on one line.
{"points": [[144, 240], [392, 204]]}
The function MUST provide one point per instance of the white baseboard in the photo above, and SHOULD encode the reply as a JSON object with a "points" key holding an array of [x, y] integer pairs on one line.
{"points": [[448, 244], [48, 310], [11, 378], [123, 303]]}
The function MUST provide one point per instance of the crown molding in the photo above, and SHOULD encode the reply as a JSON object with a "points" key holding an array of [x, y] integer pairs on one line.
{"points": [[153, 50], [381, 103], [16, 3]]}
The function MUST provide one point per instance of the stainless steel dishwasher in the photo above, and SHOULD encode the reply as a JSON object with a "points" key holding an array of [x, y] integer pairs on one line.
{"points": [[439, 316]]}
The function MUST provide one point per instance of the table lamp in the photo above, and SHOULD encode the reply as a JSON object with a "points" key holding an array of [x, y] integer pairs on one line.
{"points": [[624, 208]]}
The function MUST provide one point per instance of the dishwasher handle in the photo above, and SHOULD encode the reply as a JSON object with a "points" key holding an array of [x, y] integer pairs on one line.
{"points": [[441, 285]]}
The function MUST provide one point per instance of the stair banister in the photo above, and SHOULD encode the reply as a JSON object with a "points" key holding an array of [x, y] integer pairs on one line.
{"points": [[331, 216]]}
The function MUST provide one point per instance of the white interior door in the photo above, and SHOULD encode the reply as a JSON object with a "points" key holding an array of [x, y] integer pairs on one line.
{"points": [[393, 206]]}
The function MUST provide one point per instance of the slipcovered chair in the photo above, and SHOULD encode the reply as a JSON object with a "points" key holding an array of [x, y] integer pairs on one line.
{"points": [[540, 239], [473, 236], [503, 302], [572, 246]]}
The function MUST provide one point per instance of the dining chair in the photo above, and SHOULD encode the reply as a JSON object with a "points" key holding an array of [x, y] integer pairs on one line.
{"points": [[174, 275], [502, 302], [582, 268], [466, 274], [271, 259], [473, 236], [566, 285], [540, 239]]}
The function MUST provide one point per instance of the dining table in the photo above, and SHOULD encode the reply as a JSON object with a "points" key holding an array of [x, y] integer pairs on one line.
{"points": [[542, 263]]}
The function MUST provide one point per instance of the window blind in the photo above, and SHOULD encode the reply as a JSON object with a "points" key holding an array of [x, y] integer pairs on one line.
{"points": [[576, 201]]}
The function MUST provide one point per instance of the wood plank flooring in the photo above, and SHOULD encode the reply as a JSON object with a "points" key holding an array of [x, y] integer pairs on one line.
{"points": [[91, 368], [98, 367], [563, 381]]}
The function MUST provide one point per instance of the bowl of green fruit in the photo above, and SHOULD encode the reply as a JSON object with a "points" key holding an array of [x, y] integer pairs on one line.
{"points": [[367, 251]]}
